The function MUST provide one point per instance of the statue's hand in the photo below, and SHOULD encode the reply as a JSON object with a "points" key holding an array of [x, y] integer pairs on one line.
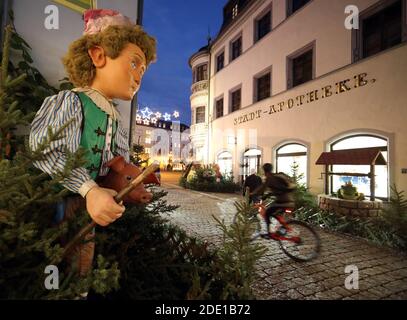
{"points": [[102, 207]]}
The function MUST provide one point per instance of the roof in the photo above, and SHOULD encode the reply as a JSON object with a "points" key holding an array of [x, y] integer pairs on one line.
{"points": [[203, 50], [363, 156], [168, 124]]}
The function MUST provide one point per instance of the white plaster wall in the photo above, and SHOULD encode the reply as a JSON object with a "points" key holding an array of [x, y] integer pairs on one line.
{"points": [[333, 44], [378, 107]]}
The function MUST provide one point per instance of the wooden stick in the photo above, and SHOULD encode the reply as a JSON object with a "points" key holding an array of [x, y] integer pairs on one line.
{"points": [[118, 198]]}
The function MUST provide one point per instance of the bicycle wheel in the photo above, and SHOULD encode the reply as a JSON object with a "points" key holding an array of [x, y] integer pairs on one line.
{"points": [[301, 242]]}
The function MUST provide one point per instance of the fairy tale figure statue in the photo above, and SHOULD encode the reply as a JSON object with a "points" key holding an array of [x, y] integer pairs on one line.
{"points": [[106, 63]]}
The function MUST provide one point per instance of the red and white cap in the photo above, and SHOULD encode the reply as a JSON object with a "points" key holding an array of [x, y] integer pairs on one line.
{"points": [[97, 20]]}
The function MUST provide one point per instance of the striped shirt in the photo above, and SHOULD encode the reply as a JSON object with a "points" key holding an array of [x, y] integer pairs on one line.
{"points": [[55, 112]]}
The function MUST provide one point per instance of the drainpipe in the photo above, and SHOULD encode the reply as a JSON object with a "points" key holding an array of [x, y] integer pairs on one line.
{"points": [[209, 96], [133, 105]]}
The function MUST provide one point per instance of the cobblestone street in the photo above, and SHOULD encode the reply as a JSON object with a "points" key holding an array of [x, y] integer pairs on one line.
{"points": [[382, 272]]}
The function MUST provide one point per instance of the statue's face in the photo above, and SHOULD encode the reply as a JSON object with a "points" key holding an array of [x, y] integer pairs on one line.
{"points": [[126, 72]]}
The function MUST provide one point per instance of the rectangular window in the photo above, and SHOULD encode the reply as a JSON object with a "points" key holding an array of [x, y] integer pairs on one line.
{"points": [[201, 73], [236, 48], [263, 86], [220, 61], [382, 30], [236, 100], [294, 5], [200, 115], [219, 108], [302, 68], [263, 26], [148, 140]]}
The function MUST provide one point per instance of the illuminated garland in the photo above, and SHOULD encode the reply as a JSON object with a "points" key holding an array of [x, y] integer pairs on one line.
{"points": [[147, 116]]}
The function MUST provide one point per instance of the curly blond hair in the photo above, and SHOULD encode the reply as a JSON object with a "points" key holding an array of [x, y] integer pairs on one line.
{"points": [[78, 63]]}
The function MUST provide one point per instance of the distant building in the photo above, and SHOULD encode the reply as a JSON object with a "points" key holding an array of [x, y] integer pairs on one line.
{"points": [[164, 141], [285, 81]]}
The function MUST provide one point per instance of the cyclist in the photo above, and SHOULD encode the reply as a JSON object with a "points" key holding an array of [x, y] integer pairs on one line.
{"points": [[252, 182], [281, 188]]}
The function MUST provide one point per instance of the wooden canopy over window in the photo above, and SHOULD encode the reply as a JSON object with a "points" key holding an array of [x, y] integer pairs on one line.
{"points": [[364, 156]]}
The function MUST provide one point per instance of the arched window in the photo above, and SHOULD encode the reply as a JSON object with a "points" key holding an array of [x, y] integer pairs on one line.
{"points": [[252, 160], [362, 183], [292, 159], [225, 163]]}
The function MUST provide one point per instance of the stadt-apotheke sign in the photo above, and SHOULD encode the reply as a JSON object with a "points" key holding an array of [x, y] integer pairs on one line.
{"points": [[309, 97]]}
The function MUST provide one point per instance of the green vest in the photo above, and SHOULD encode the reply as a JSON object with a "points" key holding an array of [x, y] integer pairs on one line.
{"points": [[94, 130]]}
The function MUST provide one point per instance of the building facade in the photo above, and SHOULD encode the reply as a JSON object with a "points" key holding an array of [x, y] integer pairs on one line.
{"points": [[166, 142], [287, 80]]}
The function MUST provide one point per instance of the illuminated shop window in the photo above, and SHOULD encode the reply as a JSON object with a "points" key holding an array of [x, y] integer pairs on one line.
{"points": [[252, 160], [290, 156], [225, 163], [362, 183]]}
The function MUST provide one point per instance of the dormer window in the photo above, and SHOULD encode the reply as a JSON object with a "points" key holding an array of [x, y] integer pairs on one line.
{"points": [[235, 11]]}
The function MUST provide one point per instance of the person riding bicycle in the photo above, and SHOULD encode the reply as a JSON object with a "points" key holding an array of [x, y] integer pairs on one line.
{"points": [[252, 182], [281, 188]]}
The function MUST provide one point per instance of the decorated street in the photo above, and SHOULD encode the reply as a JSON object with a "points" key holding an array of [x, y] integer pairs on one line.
{"points": [[382, 271]]}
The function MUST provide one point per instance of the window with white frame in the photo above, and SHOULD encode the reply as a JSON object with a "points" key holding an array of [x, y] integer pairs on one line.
{"points": [[252, 160], [200, 115], [294, 5], [235, 100], [235, 48], [301, 66], [262, 87], [225, 163], [219, 108], [262, 26], [291, 159], [220, 61], [381, 26], [362, 183]]}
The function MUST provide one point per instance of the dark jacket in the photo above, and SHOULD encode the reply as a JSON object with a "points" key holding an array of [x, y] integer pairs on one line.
{"points": [[280, 186], [253, 181]]}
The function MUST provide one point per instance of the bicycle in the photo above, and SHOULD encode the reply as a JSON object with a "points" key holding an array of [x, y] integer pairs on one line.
{"points": [[297, 239]]}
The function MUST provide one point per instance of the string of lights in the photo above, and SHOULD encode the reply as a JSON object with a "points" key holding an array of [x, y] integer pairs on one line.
{"points": [[146, 115]]}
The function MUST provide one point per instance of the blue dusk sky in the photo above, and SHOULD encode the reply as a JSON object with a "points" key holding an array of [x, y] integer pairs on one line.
{"points": [[181, 29]]}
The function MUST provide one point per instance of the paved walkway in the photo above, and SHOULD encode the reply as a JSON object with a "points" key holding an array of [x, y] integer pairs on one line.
{"points": [[382, 272]]}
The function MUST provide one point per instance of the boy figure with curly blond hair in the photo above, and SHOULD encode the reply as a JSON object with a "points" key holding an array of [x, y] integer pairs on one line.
{"points": [[107, 62]]}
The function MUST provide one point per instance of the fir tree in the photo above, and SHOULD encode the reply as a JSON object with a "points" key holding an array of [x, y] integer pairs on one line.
{"points": [[303, 198], [138, 156]]}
